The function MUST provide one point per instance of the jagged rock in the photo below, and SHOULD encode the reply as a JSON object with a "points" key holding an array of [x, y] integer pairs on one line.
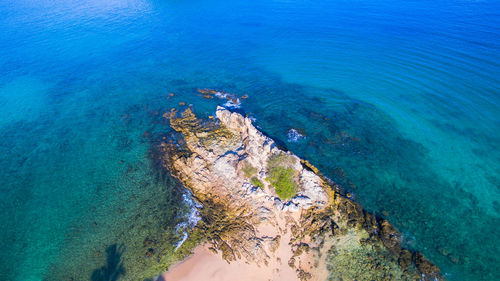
{"points": [[247, 222], [404, 258], [302, 201]]}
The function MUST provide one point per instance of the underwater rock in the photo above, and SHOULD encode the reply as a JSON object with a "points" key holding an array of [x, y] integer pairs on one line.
{"points": [[427, 268], [404, 258], [149, 253], [294, 135], [263, 205]]}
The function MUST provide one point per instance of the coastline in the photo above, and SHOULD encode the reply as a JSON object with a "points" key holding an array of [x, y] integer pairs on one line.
{"points": [[273, 216], [204, 264]]}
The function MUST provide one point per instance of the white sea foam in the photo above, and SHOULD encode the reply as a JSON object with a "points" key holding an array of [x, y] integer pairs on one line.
{"points": [[221, 95], [192, 218], [230, 103], [294, 135], [232, 100]]}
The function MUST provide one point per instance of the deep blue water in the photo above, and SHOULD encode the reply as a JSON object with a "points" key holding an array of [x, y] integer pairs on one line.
{"points": [[398, 100]]}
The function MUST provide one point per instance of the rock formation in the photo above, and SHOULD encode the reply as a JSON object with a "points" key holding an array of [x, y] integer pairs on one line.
{"points": [[266, 206]]}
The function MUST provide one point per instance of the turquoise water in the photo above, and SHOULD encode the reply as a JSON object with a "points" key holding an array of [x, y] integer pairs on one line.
{"points": [[398, 101]]}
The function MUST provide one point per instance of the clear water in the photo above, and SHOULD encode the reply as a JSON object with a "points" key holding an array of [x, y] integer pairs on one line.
{"points": [[399, 101]]}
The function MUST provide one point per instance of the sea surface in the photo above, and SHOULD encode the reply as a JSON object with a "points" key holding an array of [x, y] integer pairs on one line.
{"points": [[399, 101]]}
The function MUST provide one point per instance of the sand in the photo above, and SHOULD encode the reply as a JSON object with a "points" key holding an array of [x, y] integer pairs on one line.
{"points": [[205, 265]]}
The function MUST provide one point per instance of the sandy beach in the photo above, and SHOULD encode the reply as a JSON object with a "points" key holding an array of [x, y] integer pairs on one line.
{"points": [[203, 264]]}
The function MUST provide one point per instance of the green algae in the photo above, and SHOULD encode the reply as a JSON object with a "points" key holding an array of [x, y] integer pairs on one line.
{"points": [[208, 133], [143, 243], [364, 247], [222, 225], [195, 238], [219, 225], [363, 263]]}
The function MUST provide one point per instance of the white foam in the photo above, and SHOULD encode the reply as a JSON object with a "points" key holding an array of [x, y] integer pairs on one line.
{"points": [[232, 100], [294, 135], [192, 218], [221, 95], [231, 104]]}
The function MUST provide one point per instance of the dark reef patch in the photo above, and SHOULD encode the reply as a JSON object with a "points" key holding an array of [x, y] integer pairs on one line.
{"points": [[352, 142], [360, 147], [114, 268]]}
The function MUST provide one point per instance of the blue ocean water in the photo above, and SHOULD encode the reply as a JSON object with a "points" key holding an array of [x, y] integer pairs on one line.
{"points": [[397, 100]]}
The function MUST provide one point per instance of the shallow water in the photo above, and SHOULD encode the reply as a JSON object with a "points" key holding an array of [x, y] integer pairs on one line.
{"points": [[398, 102]]}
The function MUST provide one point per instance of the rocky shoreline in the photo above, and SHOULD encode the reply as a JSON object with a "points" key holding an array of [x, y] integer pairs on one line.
{"points": [[266, 208]]}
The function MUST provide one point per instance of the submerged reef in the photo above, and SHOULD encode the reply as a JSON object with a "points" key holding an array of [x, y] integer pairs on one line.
{"points": [[266, 206]]}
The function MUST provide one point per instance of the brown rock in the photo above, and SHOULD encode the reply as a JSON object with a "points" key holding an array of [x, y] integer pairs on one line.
{"points": [[240, 221], [425, 267], [404, 258]]}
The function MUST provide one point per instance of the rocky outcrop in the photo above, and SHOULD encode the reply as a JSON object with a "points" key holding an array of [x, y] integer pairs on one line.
{"points": [[266, 206]]}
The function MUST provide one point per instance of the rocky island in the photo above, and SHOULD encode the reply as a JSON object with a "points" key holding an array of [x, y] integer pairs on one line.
{"points": [[266, 214]]}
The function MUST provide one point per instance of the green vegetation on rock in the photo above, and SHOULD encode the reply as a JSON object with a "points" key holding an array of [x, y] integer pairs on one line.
{"points": [[280, 159], [282, 179], [249, 170], [281, 175], [256, 182]]}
